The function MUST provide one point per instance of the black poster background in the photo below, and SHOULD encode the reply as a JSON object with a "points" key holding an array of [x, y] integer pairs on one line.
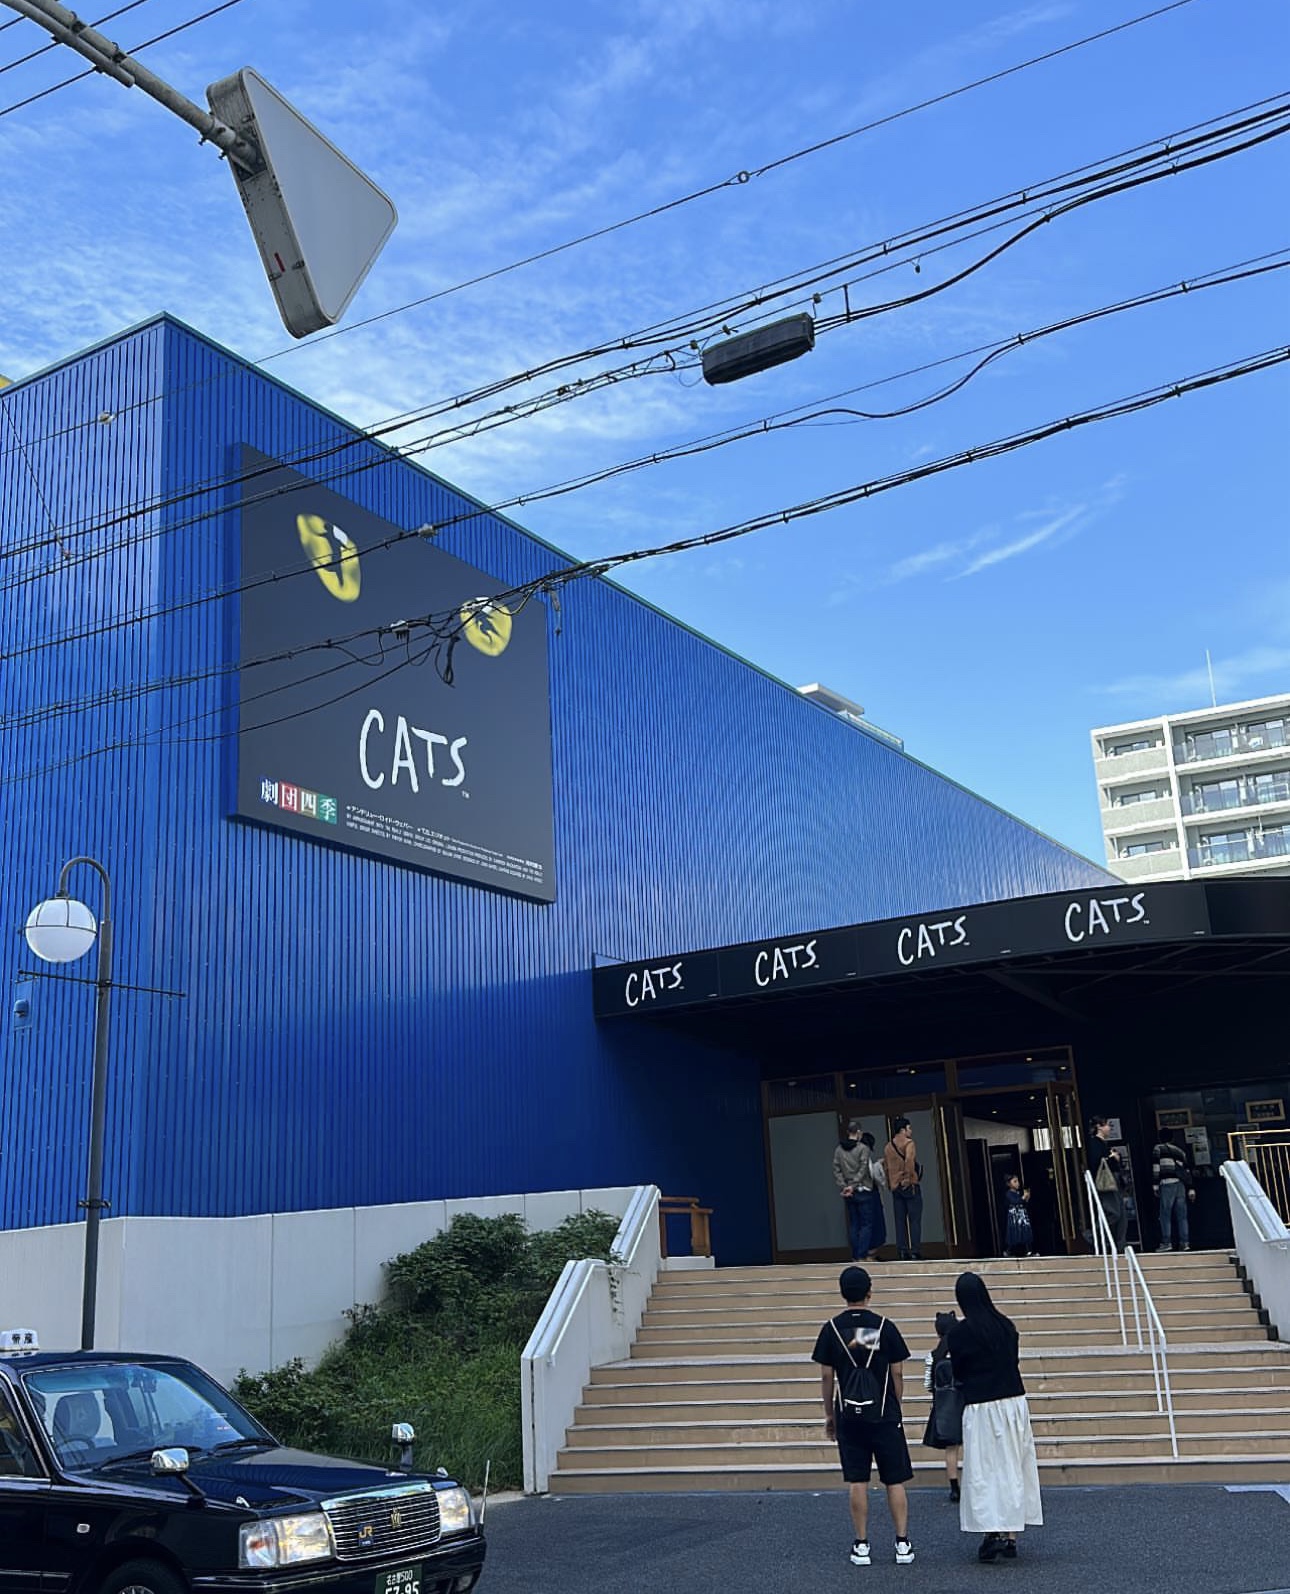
{"points": [[301, 720]]}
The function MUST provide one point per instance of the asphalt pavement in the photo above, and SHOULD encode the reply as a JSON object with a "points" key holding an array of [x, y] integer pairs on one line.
{"points": [[1195, 1537]]}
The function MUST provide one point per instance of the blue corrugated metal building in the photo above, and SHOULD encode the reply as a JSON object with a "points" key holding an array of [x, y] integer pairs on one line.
{"points": [[353, 1031]]}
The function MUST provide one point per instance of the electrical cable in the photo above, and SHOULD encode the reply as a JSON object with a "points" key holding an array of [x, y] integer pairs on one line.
{"points": [[803, 414], [1187, 140], [446, 626], [53, 44], [160, 38], [738, 179]]}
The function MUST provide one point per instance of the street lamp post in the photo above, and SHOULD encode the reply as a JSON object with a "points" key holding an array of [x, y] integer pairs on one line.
{"points": [[60, 930]]}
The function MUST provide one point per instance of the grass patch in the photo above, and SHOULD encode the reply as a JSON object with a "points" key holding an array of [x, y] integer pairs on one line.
{"points": [[443, 1352]]}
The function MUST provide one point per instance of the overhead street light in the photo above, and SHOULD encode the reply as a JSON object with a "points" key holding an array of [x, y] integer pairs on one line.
{"points": [[318, 222], [60, 930]]}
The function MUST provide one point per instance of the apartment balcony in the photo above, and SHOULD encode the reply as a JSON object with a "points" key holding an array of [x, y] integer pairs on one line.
{"points": [[1260, 748], [1268, 852], [1139, 816], [1165, 865], [1258, 803], [1150, 761]]}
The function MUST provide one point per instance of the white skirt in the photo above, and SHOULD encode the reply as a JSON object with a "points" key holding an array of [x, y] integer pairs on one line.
{"points": [[1000, 1484]]}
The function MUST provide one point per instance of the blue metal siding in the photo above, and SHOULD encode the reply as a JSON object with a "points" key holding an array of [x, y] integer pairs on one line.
{"points": [[354, 1032]]}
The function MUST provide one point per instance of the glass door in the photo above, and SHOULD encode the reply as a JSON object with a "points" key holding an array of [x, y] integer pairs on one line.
{"points": [[1068, 1164], [955, 1181]]}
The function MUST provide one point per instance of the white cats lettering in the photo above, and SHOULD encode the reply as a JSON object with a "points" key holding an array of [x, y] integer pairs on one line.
{"points": [[647, 985], [782, 962], [920, 941], [1101, 916]]}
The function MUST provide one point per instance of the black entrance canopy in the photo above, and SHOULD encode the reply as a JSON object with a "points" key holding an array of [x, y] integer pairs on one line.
{"points": [[1078, 954]]}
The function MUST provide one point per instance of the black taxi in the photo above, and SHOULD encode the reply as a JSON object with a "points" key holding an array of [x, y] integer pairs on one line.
{"points": [[124, 1474]]}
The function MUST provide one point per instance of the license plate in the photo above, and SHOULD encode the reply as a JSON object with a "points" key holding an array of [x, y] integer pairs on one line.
{"points": [[403, 1580]]}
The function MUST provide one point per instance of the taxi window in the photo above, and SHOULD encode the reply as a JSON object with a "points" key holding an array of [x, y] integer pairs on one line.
{"points": [[98, 1412], [17, 1459]]}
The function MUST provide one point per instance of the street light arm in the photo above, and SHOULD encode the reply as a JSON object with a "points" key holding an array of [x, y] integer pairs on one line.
{"points": [[108, 57], [92, 862]]}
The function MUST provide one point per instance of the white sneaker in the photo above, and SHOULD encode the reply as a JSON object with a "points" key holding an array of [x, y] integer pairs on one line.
{"points": [[904, 1552], [860, 1553]]}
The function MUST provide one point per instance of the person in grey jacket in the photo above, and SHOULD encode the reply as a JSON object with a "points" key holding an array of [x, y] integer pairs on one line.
{"points": [[853, 1175]]}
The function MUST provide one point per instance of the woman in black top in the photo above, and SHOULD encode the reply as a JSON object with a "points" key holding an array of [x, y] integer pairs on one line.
{"points": [[1000, 1476]]}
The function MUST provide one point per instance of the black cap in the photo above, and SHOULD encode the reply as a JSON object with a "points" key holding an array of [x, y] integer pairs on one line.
{"points": [[855, 1284]]}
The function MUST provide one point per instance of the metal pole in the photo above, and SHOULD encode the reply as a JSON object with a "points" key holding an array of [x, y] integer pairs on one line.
{"points": [[108, 57], [94, 1202]]}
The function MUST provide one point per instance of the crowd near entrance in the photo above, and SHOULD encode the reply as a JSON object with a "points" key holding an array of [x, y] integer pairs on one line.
{"points": [[981, 1127]]}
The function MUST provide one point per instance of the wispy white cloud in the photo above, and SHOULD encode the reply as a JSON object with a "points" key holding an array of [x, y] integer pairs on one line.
{"points": [[1189, 688], [1068, 521]]}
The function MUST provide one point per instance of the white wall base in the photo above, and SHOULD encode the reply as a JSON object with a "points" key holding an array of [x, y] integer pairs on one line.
{"points": [[238, 1293], [686, 1264]]}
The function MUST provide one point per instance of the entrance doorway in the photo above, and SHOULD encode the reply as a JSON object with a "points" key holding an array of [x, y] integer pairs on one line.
{"points": [[974, 1121]]}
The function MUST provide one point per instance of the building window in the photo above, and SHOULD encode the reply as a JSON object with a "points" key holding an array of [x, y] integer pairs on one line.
{"points": [[1265, 733], [1214, 795], [1210, 744], [1126, 799], [1273, 787], [1225, 846], [1141, 745], [1139, 849]]}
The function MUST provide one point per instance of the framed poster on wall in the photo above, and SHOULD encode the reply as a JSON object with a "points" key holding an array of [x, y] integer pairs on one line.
{"points": [[1272, 1111], [1173, 1117]]}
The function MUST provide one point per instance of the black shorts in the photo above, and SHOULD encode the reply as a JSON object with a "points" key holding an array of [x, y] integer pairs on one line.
{"points": [[860, 1444]]}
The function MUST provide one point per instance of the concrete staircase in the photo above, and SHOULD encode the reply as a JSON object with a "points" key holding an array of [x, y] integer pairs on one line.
{"points": [[720, 1393]]}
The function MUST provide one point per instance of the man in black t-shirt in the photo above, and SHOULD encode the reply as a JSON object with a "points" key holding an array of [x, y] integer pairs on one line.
{"points": [[852, 1338]]}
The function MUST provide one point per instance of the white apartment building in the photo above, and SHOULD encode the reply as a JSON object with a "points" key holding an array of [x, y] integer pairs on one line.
{"points": [[1197, 795]]}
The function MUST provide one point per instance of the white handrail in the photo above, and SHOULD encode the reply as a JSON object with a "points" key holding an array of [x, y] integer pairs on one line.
{"points": [[1104, 1246], [591, 1318], [1159, 1344]]}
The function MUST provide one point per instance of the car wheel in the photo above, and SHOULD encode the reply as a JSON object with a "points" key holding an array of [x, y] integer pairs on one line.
{"points": [[143, 1577]]}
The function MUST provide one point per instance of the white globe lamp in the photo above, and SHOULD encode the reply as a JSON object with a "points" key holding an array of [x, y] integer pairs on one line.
{"points": [[60, 930]]}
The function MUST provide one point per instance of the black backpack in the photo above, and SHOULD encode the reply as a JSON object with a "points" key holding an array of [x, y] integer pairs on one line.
{"points": [[861, 1393]]}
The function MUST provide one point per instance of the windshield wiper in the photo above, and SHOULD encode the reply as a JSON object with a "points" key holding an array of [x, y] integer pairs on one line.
{"points": [[145, 1455], [241, 1444]]}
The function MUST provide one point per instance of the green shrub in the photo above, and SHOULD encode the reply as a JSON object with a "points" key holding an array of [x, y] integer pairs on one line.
{"points": [[443, 1353]]}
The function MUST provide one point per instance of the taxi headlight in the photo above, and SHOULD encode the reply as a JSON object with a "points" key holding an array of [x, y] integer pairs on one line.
{"points": [[284, 1541], [456, 1515]]}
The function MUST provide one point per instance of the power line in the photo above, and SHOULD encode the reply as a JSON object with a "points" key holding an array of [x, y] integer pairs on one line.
{"points": [[737, 179], [445, 626], [54, 43], [159, 38], [1165, 156]]}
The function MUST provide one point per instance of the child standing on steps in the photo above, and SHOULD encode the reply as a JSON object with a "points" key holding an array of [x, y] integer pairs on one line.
{"points": [[1019, 1236], [944, 1430]]}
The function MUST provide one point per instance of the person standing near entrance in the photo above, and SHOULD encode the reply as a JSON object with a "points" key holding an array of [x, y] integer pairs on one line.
{"points": [[905, 1181], [854, 1179], [1104, 1165], [1000, 1473], [1171, 1180], [861, 1384]]}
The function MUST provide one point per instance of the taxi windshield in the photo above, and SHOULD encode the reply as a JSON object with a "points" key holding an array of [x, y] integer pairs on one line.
{"points": [[97, 1413]]}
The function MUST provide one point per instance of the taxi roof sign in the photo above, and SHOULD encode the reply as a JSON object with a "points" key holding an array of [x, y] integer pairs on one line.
{"points": [[18, 1339], [318, 222]]}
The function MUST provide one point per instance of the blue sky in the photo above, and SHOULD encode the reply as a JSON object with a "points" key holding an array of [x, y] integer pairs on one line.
{"points": [[990, 616]]}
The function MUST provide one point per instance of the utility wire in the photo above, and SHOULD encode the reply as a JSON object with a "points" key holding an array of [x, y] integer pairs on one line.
{"points": [[445, 626], [738, 179], [54, 43], [159, 38], [1165, 156]]}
